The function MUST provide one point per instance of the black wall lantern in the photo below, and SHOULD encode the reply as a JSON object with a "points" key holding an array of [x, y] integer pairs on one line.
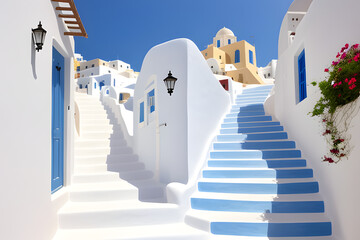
{"points": [[170, 83], [39, 36]]}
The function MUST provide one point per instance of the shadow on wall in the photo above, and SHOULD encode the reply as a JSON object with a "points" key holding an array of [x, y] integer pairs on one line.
{"points": [[33, 58]]}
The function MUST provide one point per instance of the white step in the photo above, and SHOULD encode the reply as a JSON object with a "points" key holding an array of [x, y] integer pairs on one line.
{"points": [[112, 191], [83, 143], [96, 177], [99, 159], [115, 167], [176, 231], [94, 121], [102, 150], [97, 127], [116, 213]]}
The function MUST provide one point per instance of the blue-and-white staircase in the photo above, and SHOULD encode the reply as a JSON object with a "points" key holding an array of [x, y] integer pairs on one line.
{"points": [[255, 184]]}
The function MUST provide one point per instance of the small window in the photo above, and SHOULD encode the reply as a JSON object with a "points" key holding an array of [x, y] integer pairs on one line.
{"points": [[93, 65], [297, 19], [264, 75], [114, 82], [212, 66], [103, 64], [78, 68], [109, 71], [95, 85], [151, 101], [292, 19], [83, 75], [86, 67], [141, 117], [229, 41], [127, 67], [121, 97], [80, 86], [251, 57], [237, 56], [205, 54], [302, 76], [113, 65], [218, 43], [92, 74], [268, 74], [107, 91], [220, 57], [120, 65]]}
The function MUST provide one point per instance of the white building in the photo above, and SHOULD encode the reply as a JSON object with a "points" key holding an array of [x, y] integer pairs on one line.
{"points": [[267, 74], [319, 34], [37, 116]]}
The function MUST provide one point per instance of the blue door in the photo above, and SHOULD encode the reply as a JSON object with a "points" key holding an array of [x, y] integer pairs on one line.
{"points": [[101, 84], [57, 122], [302, 76]]}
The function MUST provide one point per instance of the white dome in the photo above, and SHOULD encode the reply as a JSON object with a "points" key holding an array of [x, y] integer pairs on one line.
{"points": [[224, 31]]}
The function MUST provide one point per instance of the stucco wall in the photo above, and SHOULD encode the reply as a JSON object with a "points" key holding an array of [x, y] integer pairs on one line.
{"points": [[327, 26], [28, 210], [192, 113]]}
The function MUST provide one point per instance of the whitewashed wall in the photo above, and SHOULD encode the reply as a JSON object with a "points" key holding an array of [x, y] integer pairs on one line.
{"points": [[192, 113], [327, 26], [28, 210]]}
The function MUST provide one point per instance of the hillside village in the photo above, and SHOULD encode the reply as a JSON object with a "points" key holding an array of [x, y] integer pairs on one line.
{"points": [[207, 145]]}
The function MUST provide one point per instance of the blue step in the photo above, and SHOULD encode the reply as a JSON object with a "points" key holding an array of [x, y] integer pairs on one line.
{"points": [[253, 107], [245, 103], [258, 163], [254, 145], [240, 114], [248, 119], [249, 154], [259, 188], [249, 94], [311, 229], [252, 129], [267, 173], [252, 136], [249, 124], [256, 100], [257, 206]]}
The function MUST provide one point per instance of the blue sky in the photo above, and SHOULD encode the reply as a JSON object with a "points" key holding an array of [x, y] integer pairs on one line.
{"points": [[126, 30]]}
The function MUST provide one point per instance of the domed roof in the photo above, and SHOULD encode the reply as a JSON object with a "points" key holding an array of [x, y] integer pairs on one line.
{"points": [[224, 31]]}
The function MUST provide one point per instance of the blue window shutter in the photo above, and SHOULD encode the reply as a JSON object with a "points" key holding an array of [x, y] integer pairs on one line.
{"points": [[114, 82], [218, 43], [141, 112], [121, 97], [302, 76], [237, 56], [94, 85], [151, 100], [251, 57], [229, 41]]}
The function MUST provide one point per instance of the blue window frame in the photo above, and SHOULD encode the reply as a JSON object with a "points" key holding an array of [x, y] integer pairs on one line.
{"points": [[78, 68], [95, 85], [121, 97], [229, 41], [141, 119], [218, 43], [251, 57], [237, 56], [151, 100], [107, 91], [80, 86], [302, 76], [114, 82]]}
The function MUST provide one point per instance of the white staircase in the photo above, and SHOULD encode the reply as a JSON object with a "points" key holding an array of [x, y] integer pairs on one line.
{"points": [[104, 195]]}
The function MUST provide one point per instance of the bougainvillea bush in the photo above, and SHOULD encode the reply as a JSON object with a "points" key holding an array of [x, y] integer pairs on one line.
{"points": [[341, 88]]}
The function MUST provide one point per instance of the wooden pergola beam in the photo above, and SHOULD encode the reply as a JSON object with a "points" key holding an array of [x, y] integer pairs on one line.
{"points": [[75, 15], [71, 27], [63, 8], [66, 16], [74, 34]]}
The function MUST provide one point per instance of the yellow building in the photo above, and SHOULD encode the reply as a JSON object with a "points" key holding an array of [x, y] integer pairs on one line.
{"points": [[234, 59]]}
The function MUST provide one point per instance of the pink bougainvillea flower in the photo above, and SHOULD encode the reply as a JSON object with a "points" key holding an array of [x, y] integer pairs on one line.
{"points": [[352, 80], [352, 87], [350, 60], [335, 63], [346, 80], [339, 83], [342, 49], [327, 132], [335, 84], [340, 69], [339, 95], [356, 58], [338, 55], [343, 55], [346, 46], [355, 46], [326, 70], [324, 120]]}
